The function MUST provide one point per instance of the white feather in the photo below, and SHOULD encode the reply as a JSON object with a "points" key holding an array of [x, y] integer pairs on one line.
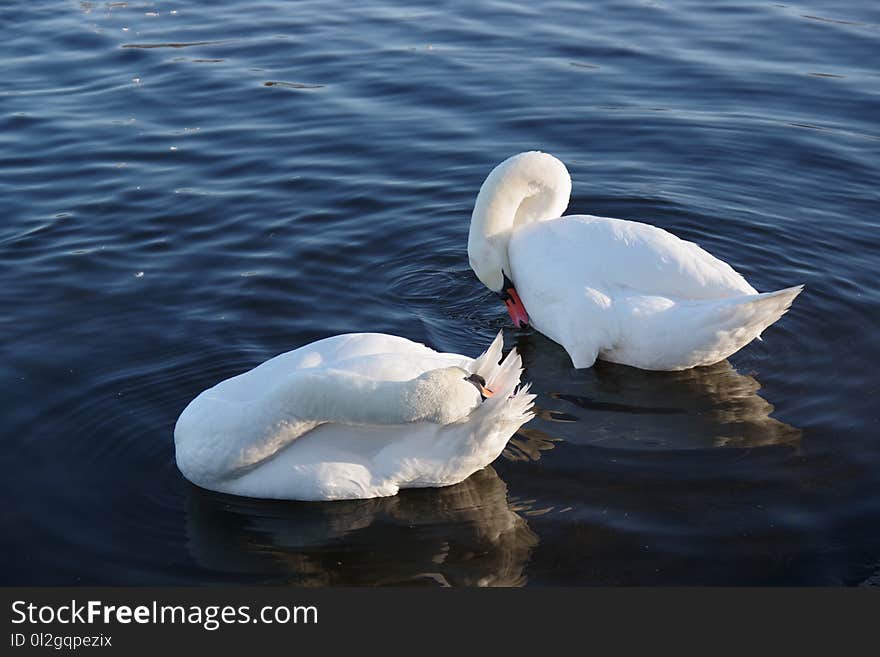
{"points": [[616, 290], [352, 416]]}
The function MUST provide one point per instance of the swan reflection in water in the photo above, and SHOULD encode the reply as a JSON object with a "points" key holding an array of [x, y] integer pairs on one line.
{"points": [[463, 535], [624, 407]]}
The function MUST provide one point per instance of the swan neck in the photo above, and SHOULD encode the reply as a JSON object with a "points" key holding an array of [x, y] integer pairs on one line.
{"points": [[523, 189], [345, 398]]}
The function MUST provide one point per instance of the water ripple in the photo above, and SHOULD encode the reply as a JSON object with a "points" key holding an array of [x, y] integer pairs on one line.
{"points": [[169, 224]]}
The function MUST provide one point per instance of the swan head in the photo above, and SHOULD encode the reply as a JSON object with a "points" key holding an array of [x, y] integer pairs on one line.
{"points": [[444, 395], [525, 188]]}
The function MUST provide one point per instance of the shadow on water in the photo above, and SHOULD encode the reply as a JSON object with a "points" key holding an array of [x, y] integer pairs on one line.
{"points": [[624, 407], [464, 535]]}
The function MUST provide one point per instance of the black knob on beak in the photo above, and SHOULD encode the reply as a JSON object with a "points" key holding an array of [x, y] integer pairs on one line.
{"points": [[480, 382]]}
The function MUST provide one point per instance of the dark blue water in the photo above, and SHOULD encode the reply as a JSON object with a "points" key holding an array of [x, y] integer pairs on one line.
{"points": [[189, 188]]}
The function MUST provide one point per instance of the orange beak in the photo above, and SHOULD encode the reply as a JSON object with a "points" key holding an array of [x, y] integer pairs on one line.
{"points": [[514, 304], [480, 382]]}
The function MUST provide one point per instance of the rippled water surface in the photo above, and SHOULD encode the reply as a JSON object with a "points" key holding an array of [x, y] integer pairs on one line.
{"points": [[189, 188]]}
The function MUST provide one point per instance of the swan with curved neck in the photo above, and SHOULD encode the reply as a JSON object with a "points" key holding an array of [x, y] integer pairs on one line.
{"points": [[522, 189], [353, 416], [611, 289]]}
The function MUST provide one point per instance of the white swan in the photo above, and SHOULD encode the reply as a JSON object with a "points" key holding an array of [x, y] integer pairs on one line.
{"points": [[352, 416], [616, 290]]}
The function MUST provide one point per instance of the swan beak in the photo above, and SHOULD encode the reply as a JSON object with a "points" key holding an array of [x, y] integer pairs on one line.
{"points": [[515, 307], [480, 382]]}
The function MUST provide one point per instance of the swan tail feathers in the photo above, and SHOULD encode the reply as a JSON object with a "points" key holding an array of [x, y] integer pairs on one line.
{"points": [[728, 325], [751, 315], [509, 397], [488, 364], [770, 306]]}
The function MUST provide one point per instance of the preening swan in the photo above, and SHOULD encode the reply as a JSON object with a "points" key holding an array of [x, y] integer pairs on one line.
{"points": [[352, 416], [616, 290]]}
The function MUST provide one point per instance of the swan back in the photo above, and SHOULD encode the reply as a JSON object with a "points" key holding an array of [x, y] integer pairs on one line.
{"points": [[525, 188]]}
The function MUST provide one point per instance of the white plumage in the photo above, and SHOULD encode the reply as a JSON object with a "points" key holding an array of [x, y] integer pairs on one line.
{"points": [[352, 416], [616, 290]]}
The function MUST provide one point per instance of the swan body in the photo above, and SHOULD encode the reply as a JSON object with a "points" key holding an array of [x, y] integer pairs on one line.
{"points": [[352, 416], [616, 290]]}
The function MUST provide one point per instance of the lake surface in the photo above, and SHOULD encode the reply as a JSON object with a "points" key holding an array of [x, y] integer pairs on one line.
{"points": [[189, 188]]}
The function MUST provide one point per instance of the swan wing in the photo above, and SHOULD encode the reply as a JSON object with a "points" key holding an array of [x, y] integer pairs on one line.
{"points": [[618, 256], [242, 422], [338, 461]]}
